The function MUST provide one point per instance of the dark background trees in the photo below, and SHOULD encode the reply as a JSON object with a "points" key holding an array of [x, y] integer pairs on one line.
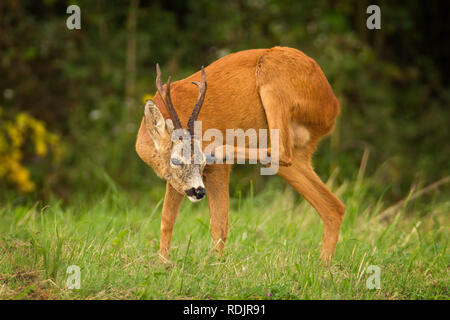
{"points": [[87, 85]]}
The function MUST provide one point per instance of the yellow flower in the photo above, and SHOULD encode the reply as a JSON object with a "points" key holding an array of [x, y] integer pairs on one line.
{"points": [[147, 97], [41, 148], [20, 176], [3, 143], [13, 137], [22, 119]]}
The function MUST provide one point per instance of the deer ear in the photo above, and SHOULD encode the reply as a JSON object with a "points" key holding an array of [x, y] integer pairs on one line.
{"points": [[154, 122], [169, 126]]}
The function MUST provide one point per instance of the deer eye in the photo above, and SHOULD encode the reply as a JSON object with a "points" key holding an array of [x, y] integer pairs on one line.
{"points": [[176, 161]]}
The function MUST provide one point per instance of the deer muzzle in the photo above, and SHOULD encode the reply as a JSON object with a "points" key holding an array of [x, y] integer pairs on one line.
{"points": [[195, 194]]}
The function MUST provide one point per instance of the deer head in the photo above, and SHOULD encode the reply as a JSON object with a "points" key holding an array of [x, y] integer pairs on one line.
{"points": [[180, 157]]}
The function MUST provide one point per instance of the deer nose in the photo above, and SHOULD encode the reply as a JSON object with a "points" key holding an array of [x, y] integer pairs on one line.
{"points": [[198, 193]]}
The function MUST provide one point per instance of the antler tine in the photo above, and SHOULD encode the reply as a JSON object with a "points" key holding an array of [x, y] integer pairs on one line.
{"points": [[167, 99], [159, 84], [172, 112], [199, 103]]}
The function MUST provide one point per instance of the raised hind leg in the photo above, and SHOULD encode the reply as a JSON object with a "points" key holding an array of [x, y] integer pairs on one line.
{"points": [[278, 117], [302, 178]]}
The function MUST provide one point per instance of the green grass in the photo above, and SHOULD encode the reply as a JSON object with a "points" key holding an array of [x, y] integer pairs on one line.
{"points": [[272, 251]]}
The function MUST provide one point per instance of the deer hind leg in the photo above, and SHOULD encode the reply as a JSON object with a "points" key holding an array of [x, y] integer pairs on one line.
{"points": [[278, 117], [302, 178], [216, 183], [171, 206]]}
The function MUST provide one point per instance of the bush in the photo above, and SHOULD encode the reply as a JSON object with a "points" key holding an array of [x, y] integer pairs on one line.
{"points": [[24, 140]]}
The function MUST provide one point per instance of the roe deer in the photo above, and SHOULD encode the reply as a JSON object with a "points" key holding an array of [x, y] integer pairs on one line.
{"points": [[278, 88]]}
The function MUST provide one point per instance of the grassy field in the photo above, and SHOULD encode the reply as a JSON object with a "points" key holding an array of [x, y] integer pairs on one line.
{"points": [[272, 251]]}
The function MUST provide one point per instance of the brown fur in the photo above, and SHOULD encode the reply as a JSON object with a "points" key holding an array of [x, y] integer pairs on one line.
{"points": [[278, 88]]}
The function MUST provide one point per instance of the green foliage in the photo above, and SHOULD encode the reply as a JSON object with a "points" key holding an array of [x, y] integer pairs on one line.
{"points": [[272, 251], [392, 84]]}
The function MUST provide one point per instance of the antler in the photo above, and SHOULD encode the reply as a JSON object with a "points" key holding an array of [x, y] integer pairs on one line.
{"points": [[167, 99], [199, 103]]}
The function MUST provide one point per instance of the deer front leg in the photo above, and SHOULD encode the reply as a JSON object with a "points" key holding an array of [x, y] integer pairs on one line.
{"points": [[216, 183], [171, 206]]}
